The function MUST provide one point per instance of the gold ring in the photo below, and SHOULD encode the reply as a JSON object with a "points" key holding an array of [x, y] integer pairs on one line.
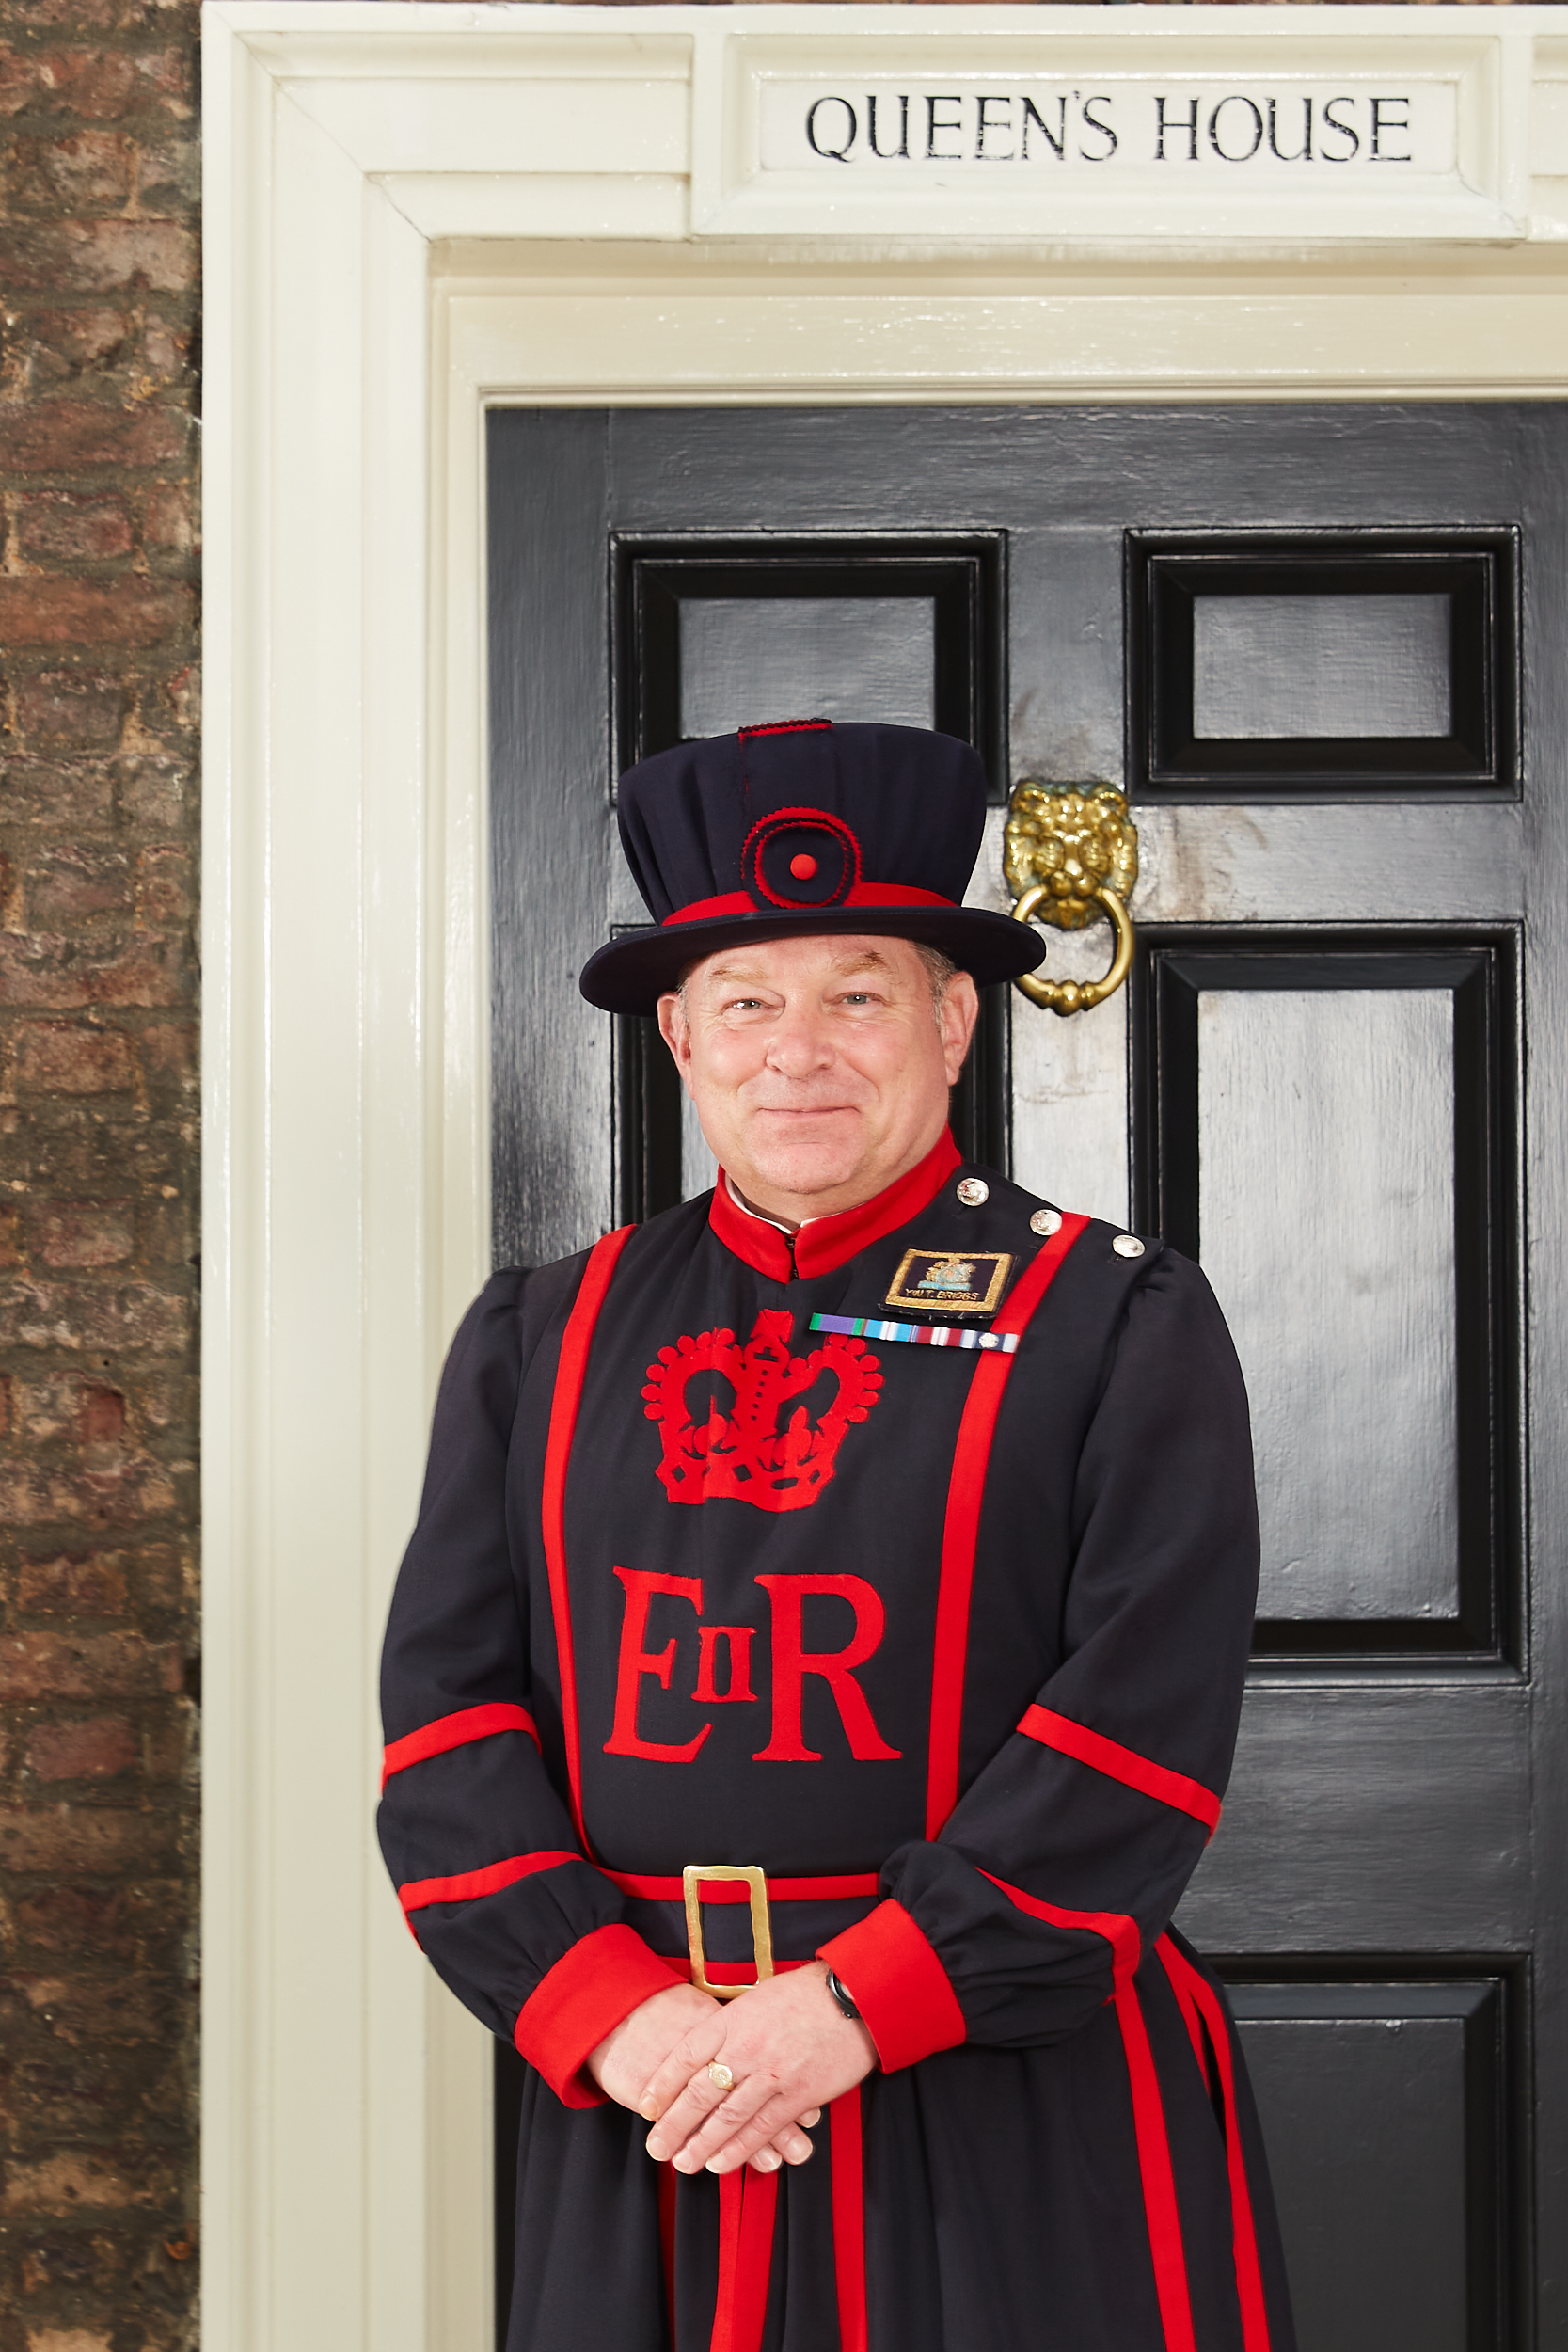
{"points": [[719, 2075], [1065, 996]]}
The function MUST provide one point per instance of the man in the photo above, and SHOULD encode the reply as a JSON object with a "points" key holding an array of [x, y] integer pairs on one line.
{"points": [[814, 1672]]}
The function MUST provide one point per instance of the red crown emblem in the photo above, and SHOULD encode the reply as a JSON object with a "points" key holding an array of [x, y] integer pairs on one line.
{"points": [[763, 1447]]}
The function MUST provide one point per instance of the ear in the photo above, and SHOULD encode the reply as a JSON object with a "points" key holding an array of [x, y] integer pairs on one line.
{"points": [[960, 1010], [675, 1030]]}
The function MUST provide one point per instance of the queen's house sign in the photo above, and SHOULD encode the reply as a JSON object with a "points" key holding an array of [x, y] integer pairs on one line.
{"points": [[1334, 126], [1156, 125]]}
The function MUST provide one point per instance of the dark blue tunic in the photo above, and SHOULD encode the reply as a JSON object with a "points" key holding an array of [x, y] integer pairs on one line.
{"points": [[949, 1641]]}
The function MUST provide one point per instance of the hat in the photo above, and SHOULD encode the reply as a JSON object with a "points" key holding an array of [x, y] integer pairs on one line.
{"points": [[806, 826]]}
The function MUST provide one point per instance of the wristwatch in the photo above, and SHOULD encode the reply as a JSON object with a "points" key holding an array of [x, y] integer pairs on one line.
{"points": [[841, 1995]]}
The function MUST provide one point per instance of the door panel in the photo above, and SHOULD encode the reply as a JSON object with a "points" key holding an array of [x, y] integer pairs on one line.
{"points": [[1324, 648]]}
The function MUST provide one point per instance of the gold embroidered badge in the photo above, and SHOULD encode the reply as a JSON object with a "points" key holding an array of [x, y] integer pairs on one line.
{"points": [[951, 1282]]}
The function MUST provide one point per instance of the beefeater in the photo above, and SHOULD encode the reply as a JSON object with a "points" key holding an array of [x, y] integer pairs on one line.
{"points": [[814, 1672]]}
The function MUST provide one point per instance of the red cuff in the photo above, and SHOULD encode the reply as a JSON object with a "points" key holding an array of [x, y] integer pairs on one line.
{"points": [[900, 1986], [583, 1998]]}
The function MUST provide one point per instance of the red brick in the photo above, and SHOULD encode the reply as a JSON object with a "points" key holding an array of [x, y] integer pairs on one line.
{"points": [[83, 1233], [166, 349], [76, 710], [93, 256], [82, 2178], [55, 1406], [98, 1747], [155, 794], [90, 171], [82, 1841], [67, 2339], [64, 1057], [66, 435], [119, 1492], [51, 347], [163, 887], [86, 1666], [169, 525], [35, 610], [168, 1054], [69, 886], [61, 1315], [168, 175], [73, 1584], [53, 973], [76, 1919], [57, 526], [74, 794], [94, 85]]}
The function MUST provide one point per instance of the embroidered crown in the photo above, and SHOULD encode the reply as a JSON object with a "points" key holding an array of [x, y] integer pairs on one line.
{"points": [[763, 1446]]}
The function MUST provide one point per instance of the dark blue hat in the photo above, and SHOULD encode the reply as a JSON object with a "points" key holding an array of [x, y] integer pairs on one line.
{"points": [[804, 827]]}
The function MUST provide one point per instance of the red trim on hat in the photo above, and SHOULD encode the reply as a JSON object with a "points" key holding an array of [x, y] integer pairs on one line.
{"points": [[826, 1243], [788, 819], [788, 726], [862, 894]]}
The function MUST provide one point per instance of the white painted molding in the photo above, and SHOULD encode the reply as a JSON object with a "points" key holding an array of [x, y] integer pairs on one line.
{"points": [[412, 212]]}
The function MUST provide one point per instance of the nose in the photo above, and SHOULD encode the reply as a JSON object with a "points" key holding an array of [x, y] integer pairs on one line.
{"points": [[800, 1044]]}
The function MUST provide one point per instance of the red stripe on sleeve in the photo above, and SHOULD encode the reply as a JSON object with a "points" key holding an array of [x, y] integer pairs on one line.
{"points": [[1159, 2180], [419, 1894], [571, 1371], [455, 1731], [584, 1996], [900, 1986], [960, 1531], [1193, 1991], [1120, 1932], [1124, 1764]]}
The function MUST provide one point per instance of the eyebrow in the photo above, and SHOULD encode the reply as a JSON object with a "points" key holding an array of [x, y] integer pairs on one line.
{"points": [[868, 960]]}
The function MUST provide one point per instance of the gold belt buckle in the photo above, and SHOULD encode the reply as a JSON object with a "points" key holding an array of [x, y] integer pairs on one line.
{"points": [[761, 1925]]}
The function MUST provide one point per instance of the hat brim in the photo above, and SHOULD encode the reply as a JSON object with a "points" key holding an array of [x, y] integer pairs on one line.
{"points": [[634, 971]]}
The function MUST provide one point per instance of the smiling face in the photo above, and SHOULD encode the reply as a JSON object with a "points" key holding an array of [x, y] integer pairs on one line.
{"points": [[819, 1065]]}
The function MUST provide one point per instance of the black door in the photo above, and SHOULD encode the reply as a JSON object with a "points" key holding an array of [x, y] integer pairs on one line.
{"points": [[1323, 649]]}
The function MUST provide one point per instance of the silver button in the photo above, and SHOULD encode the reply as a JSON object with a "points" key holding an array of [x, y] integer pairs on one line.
{"points": [[1128, 1246], [1046, 1222], [971, 1191], [988, 1339]]}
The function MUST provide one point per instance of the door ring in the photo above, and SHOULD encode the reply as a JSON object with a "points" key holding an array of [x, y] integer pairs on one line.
{"points": [[1065, 996]]}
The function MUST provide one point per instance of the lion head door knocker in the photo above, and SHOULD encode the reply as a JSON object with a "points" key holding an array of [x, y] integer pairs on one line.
{"points": [[1069, 855]]}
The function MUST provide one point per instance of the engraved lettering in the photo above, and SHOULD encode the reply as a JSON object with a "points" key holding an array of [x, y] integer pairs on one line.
{"points": [[1094, 123], [1241, 155], [982, 126], [1303, 152], [1381, 122], [933, 152], [830, 154], [1346, 130], [886, 154], [1057, 139], [1189, 124]]}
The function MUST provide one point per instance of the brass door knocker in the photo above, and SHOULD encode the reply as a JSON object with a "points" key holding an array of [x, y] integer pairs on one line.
{"points": [[1068, 856]]}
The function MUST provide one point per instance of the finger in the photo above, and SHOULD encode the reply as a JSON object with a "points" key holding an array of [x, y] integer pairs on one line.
{"points": [[688, 2059], [702, 2101], [733, 2139], [812, 2115]]}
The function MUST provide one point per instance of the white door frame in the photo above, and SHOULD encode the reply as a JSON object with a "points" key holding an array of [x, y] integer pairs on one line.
{"points": [[413, 211]]}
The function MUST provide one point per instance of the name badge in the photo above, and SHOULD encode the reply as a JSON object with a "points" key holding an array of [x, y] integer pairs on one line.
{"points": [[951, 1282]]}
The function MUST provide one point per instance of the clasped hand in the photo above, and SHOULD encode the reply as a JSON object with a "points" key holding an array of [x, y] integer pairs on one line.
{"points": [[788, 2048]]}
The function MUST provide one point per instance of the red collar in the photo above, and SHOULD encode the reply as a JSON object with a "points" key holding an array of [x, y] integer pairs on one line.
{"points": [[826, 1243]]}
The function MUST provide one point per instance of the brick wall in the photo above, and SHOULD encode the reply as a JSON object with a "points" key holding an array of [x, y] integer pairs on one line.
{"points": [[98, 1169]]}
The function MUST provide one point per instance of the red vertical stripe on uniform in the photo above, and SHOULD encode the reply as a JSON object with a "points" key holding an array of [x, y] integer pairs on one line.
{"points": [[1159, 2180], [1124, 1764], [576, 1341], [748, 2205], [960, 1531], [1191, 1988], [848, 2168], [668, 2181]]}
